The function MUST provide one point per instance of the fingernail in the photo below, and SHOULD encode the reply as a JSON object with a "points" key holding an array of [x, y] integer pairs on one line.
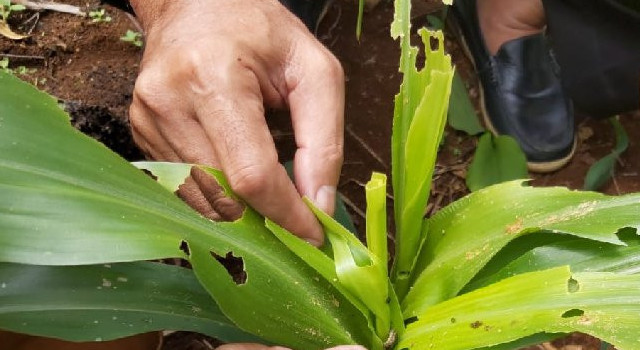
{"points": [[325, 199], [313, 242]]}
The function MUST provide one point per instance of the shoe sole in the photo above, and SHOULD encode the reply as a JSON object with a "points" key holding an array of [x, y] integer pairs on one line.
{"points": [[536, 167]]}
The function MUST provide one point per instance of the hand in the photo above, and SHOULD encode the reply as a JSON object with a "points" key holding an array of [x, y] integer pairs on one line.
{"points": [[263, 347], [208, 70]]}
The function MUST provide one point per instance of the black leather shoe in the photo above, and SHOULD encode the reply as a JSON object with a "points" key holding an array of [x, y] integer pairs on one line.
{"points": [[310, 12], [521, 92]]}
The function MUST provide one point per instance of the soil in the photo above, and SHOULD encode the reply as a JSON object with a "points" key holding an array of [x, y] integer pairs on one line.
{"points": [[87, 67]]}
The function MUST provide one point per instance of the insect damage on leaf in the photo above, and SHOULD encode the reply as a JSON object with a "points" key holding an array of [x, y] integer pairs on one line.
{"points": [[184, 246], [234, 266]]}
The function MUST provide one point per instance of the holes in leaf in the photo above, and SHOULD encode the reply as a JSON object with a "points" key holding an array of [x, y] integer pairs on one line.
{"points": [[573, 313], [434, 43], [184, 246], [403, 274], [234, 266], [410, 320], [150, 174], [573, 285]]}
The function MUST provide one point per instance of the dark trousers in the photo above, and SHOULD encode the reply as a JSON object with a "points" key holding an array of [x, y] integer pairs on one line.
{"points": [[597, 44]]}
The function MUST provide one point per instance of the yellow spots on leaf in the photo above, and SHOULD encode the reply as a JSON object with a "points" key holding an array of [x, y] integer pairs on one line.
{"points": [[514, 228]]}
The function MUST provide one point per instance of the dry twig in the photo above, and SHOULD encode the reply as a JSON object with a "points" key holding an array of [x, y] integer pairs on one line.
{"points": [[50, 5]]}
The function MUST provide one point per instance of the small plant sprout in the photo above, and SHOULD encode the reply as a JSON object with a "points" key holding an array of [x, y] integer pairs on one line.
{"points": [[4, 65], [20, 70], [6, 7], [99, 16], [132, 37]]}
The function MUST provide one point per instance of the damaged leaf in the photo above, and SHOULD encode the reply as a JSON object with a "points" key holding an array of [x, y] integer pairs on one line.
{"points": [[74, 202], [463, 239], [554, 301]]}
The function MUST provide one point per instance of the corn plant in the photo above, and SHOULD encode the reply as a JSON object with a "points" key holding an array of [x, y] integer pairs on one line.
{"points": [[505, 266]]}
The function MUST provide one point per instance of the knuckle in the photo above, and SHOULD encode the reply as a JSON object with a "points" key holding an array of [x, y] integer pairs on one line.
{"points": [[136, 119], [333, 154], [250, 181], [333, 68]]}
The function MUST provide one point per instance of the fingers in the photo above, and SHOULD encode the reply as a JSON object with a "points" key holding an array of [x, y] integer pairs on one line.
{"points": [[316, 83], [249, 347], [182, 140], [263, 347], [248, 157]]}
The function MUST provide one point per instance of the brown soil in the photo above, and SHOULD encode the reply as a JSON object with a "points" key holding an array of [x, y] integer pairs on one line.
{"points": [[86, 65]]}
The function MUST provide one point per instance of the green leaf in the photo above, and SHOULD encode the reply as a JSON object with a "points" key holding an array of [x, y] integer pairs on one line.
{"points": [[497, 159], [358, 270], [376, 194], [602, 170], [420, 109], [544, 301], [67, 200], [360, 16], [551, 250], [465, 235], [169, 175], [462, 116], [104, 302]]}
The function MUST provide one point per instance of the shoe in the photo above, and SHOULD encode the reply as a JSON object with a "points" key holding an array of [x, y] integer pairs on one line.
{"points": [[520, 92], [311, 12]]}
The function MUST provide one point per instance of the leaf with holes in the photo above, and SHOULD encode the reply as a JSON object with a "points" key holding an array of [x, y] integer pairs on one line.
{"points": [[73, 202], [555, 301], [465, 235]]}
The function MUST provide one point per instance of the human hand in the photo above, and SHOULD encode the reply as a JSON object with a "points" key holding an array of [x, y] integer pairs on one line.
{"points": [[263, 347], [208, 70]]}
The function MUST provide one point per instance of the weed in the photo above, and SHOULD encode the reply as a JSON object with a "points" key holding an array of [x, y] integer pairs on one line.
{"points": [[6, 7], [133, 37], [20, 70], [99, 16]]}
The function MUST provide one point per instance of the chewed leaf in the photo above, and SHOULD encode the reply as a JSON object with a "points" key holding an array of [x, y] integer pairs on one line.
{"points": [[551, 250], [419, 121], [318, 261], [172, 175], [358, 270], [553, 301], [455, 250], [67, 200], [169, 175]]}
